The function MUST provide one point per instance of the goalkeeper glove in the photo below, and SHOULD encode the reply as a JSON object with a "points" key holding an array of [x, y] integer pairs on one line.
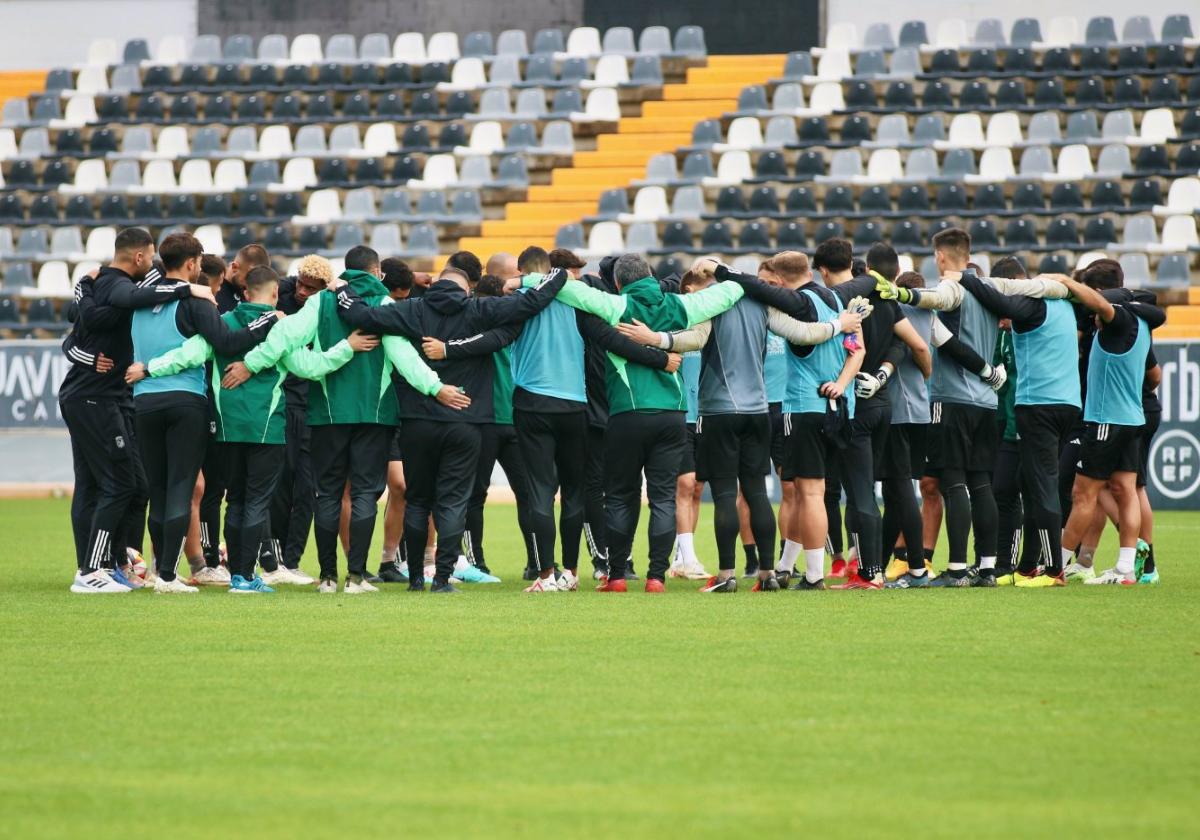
{"points": [[994, 376]]}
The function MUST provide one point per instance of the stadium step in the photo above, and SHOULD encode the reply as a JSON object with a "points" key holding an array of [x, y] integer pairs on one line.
{"points": [[1183, 316], [620, 157], [21, 83]]}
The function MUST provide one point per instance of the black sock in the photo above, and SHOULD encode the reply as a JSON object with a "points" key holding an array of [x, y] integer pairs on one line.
{"points": [[901, 554], [1149, 565], [751, 551], [929, 555]]}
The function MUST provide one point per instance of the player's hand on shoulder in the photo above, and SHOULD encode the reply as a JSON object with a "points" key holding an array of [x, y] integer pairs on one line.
{"points": [[639, 332], [433, 348], [235, 374], [202, 293]]}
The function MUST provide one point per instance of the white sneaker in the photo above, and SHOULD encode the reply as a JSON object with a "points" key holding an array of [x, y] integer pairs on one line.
{"points": [[358, 587], [546, 584], [173, 587], [99, 582], [285, 575], [1077, 571], [327, 587], [693, 570], [299, 578], [210, 577], [1112, 576], [567, 581]]}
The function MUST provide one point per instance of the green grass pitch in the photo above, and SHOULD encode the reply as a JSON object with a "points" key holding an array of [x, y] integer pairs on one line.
{"points": [[965, 714]]}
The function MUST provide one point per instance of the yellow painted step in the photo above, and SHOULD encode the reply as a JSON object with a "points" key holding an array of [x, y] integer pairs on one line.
{"points": [[733, 75], [1183, 316], [552, 192], [658, 142], [485, 246], [630, 157], [717, 90], [520, 227], [692, 109], [606, 177], [1183, 331], [1194, 295], [654, 125], [540, 211], [772, 59]]}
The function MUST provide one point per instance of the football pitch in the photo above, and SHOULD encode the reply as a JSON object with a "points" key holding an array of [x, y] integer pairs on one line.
{"points": [[956, 713]]}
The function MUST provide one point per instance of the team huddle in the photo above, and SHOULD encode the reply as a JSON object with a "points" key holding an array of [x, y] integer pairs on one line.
{"points": [[291, 404]]}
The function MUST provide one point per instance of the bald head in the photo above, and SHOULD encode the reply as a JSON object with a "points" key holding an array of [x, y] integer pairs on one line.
{"points": [[503, 266]]}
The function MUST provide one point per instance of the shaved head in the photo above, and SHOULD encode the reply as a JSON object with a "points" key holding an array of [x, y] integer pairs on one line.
{"points": [[503, 266]]}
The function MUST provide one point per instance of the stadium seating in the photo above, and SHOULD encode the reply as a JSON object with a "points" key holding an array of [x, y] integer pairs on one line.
{"points": [[1047, 138]]}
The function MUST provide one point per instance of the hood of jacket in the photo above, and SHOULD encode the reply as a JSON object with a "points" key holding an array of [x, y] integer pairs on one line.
{"points": [[364, 284], [646, 291], [446, 297]]}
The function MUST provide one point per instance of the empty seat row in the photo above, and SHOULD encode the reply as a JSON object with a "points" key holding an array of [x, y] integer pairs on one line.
{"points": [[1030, 198], [601, 104], [952, 33], [977, 95], [459, 205], [888, 165], [407, 47], [41, 315], [966, 131]]}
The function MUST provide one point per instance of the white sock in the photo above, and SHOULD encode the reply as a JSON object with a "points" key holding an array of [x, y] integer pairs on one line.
{"points": [[1068, 556], [686, 548], [956, 567], [791, 550], [814, 564], [1125, 558], [390, 554], [987, 562]]}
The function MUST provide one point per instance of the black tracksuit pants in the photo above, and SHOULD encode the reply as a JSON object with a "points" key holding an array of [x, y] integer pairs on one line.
{"points": [[215, 469], [292, 506], [555, 450], [856, 463], [440, 462], [133, 528], [1044, 431], [637, 442], [173, 440], [106, 479], [497, 442], [252, 472], [1006, 487], [358, 453], [595, 525]]}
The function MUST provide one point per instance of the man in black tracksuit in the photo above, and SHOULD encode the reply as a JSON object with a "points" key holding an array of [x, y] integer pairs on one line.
{"points": [[441, 444], [292, 506], [172, 411], [97, 407]]}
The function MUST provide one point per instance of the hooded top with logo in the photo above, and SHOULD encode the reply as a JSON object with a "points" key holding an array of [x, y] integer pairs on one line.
{"points": [[446, 312], [362, 390], [632, 386], [254, 411]]}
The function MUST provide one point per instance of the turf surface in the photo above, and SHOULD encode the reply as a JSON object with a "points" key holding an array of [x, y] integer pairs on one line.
{"points": [[961, 713]]}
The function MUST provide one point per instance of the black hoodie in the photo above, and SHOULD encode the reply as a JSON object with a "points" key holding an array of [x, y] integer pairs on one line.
{"points": [[447, 313]]}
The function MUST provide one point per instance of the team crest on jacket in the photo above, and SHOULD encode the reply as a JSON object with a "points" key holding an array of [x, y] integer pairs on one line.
{"points": [[120, 441]]}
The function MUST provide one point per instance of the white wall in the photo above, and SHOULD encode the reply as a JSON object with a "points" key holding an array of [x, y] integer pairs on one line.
{"points": [[40, 34], [864, 12]]}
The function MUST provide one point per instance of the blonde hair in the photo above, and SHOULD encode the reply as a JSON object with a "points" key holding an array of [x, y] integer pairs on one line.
{"points": [[787, 264], [316, 267]]}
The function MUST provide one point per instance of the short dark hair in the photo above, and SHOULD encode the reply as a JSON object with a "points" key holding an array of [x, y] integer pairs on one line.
{"points": [[212, 266], [260, 276], [362, 258], [565, 258], [954, 241], [630, 268], [1010, 268], [489, 285], [468, 263], [1104, 274], [835, 254], [131, 239], [253, 255], [533, 259], [910, 280], [882, 258], [177, 249], [396, 274]]}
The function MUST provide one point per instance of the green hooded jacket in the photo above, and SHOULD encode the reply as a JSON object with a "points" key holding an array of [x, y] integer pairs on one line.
{"points": [[362, 391]]}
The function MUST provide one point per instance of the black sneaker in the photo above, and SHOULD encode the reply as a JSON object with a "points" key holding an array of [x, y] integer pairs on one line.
{"points": [[951, 580], [802, 585], [718, 586], [983, 577], [391, 573], [530, 573], [372, 579], [770, 584], [443, 588], [416, 585], [785, 578]]}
